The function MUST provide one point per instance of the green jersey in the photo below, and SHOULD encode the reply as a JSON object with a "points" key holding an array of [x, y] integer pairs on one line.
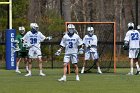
{"points": [[20, 43]]}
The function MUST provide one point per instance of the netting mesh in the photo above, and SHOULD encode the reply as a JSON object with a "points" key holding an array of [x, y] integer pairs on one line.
{"points": [[105, 35]]}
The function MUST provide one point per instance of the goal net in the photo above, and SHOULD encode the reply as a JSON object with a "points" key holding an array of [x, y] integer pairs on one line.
{"points": [[106, 34]]}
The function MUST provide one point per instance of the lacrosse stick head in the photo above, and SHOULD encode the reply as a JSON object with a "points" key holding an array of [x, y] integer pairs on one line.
{"points": [[13, 49], [138, 27], [58, 52], [49, 37], [81, 51]]}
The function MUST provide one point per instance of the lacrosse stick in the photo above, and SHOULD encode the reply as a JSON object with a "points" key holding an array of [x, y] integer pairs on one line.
{"points": [[49, 37]]}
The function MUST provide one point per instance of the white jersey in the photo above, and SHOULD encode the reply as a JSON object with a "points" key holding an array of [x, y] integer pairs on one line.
{"points": [[87, 40], [90, 52], [71, 43], [34, 40], [90, 41], [133, 37]]}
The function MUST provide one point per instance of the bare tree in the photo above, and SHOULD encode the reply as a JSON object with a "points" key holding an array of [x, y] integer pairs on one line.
{"points": [[34, 10], [66, 10]]}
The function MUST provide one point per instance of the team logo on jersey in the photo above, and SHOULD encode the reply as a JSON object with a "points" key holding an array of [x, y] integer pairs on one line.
{"points": [[70, 40]]}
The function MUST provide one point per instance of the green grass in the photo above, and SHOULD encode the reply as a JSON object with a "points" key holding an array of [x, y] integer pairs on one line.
{"points": [[11, 82]]}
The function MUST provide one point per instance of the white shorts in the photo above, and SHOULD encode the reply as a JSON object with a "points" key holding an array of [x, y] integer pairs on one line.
{"points": [[91, 55], [34, 53], [70, 57], [133, 53]]}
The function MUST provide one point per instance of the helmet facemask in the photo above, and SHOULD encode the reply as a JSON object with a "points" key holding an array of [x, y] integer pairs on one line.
{"points": [[90, 31], [130, 28], [34, 28], [21, 30], [71, 29]]}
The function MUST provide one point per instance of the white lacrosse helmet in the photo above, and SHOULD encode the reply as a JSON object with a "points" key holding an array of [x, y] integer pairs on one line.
{"points": [[34, 26], [130, 25], [90, 30], [138, 27], [71, 29], [21, 29], [71, 26]]}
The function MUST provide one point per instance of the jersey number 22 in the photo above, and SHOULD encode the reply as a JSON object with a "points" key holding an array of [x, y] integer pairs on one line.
{"points": [[134, 36]]}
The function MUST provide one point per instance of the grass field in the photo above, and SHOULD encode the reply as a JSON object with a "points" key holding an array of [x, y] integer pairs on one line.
{"points": [[11, 82]]}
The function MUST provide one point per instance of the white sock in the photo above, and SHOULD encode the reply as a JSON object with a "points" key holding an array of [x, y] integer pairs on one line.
{"points": [[77, 75], [99, 69], [131, 69], [64, 76], [83, 68], [17, 68], [137, 66], [27, 68], [29, 71], [40, 71]]}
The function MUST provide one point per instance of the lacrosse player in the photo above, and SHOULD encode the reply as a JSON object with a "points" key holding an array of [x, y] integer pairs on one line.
{"points": [[22, 52], [137, 65], [132, 40], [33, 39], [90, 43], [70, 42]]}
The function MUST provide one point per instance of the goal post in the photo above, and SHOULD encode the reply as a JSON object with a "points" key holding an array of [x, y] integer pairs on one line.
{"points": [[10, 11], [106, 34], [10, 35]]}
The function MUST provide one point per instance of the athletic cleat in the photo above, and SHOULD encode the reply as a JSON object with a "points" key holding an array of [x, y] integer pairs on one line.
{"points": [[77, 78], [42, 74], [27, 75], [137, 73], [130, 73], [62, 79], [99, 72], [18, 71]]}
